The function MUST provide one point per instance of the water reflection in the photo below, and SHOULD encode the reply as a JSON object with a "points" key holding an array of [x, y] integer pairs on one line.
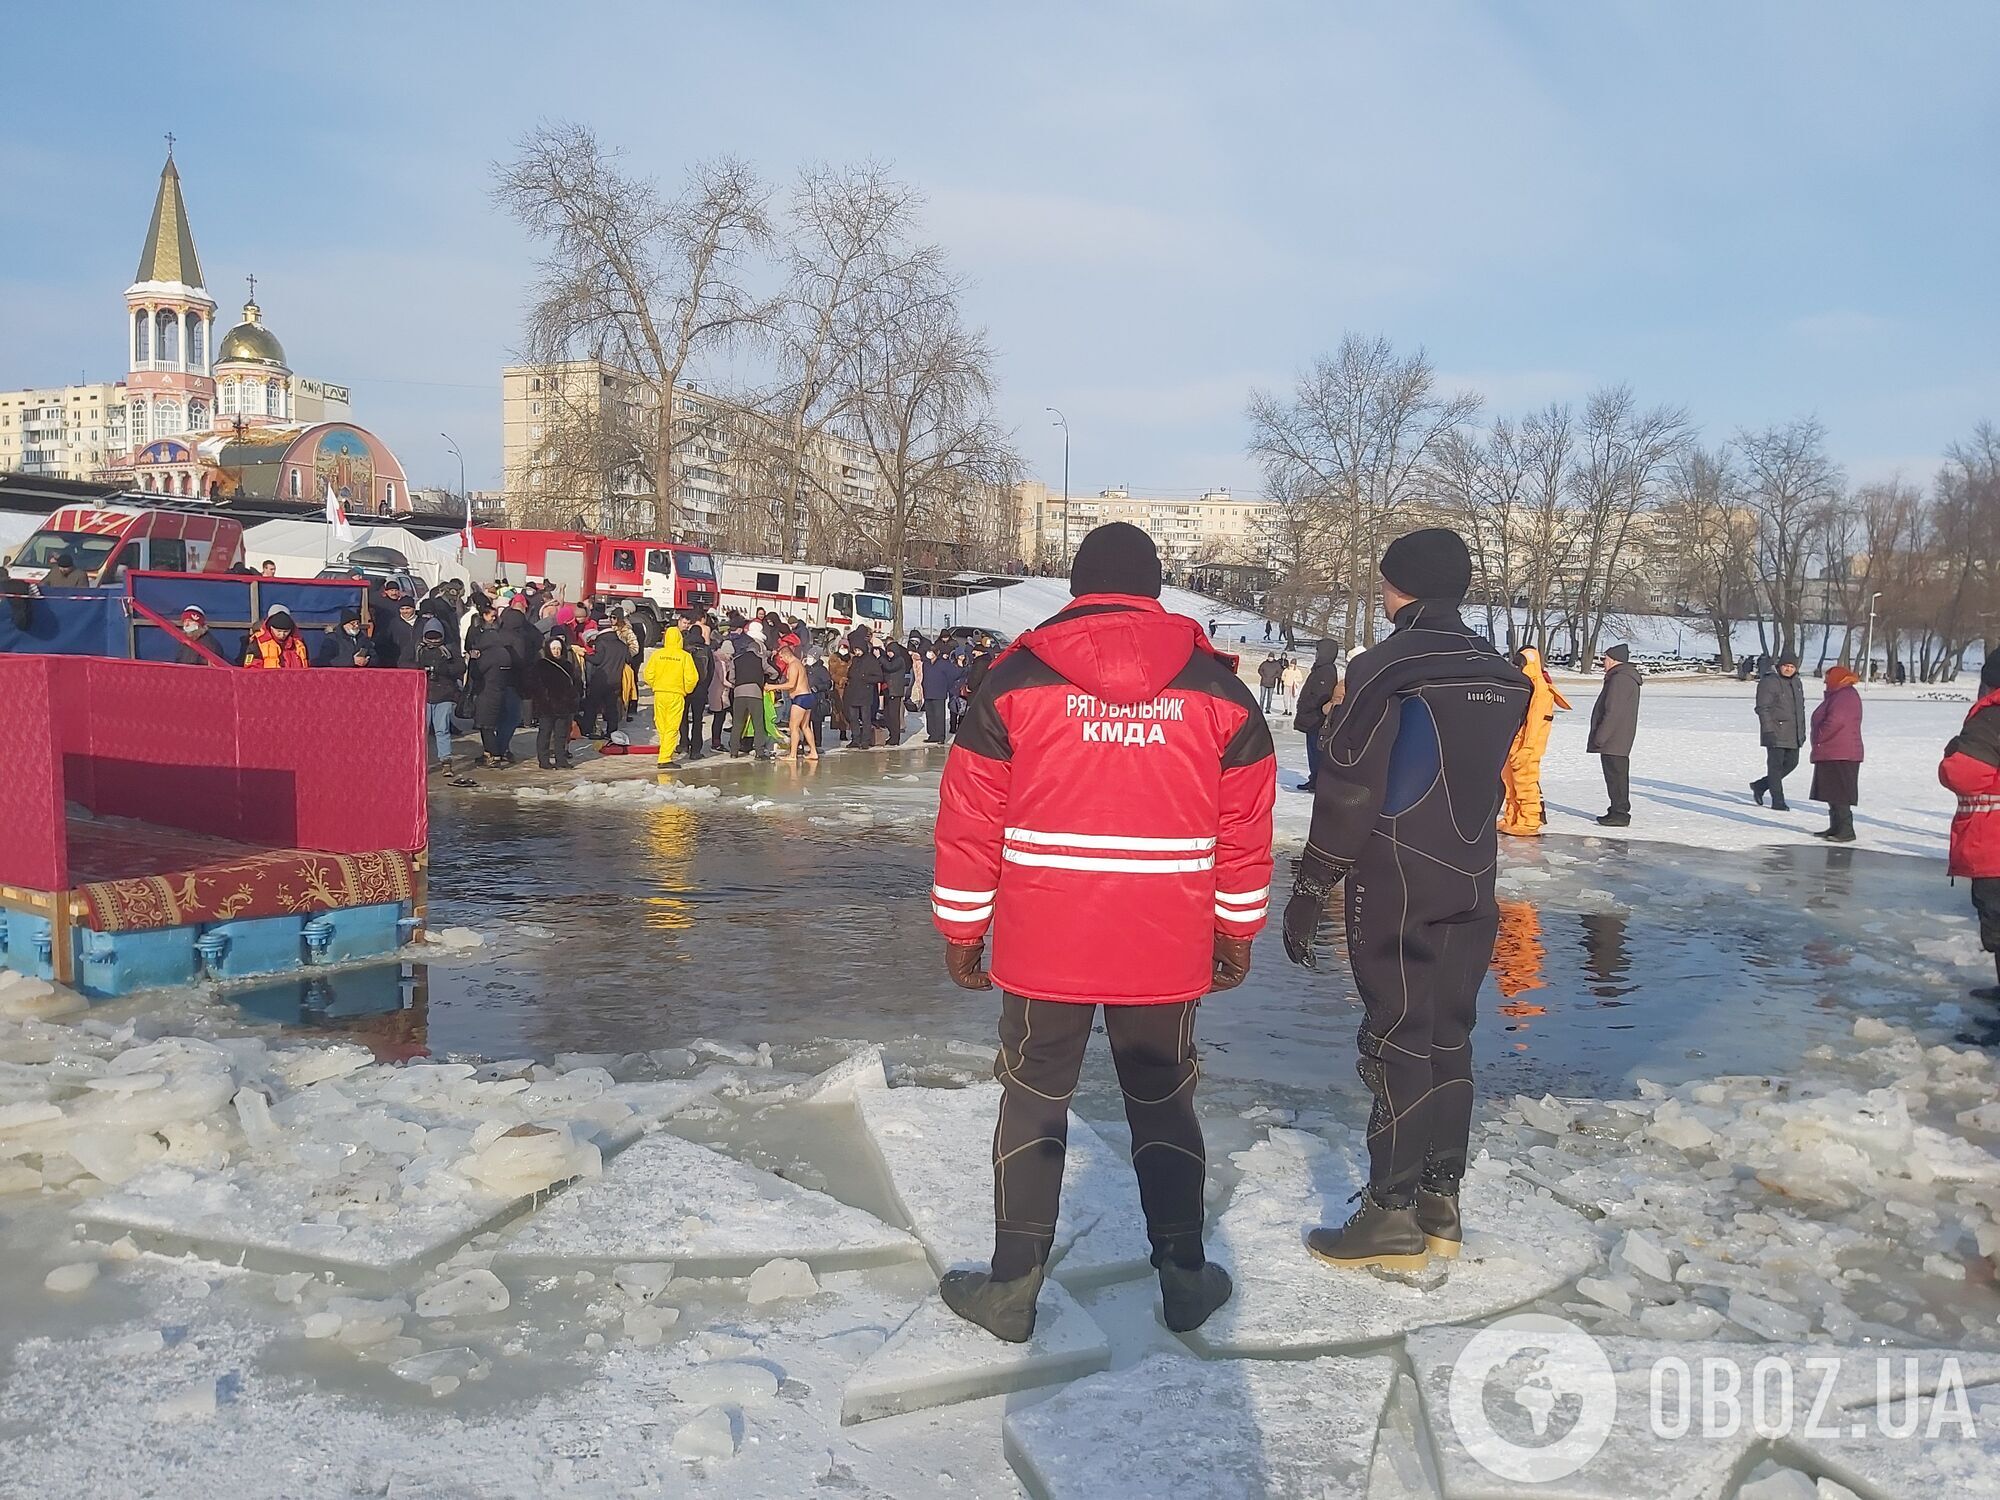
{"points": [[1607, 958], [671, 830], [1518, 957], [385, 1007]]}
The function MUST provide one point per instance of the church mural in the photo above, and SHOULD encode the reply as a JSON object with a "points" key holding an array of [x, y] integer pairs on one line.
{"points": [[344, 463]]}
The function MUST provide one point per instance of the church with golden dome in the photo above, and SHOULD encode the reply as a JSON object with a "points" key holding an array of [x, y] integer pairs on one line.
{"points": [[208, 418]]}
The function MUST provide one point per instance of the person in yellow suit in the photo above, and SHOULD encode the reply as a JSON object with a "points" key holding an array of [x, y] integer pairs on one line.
{"points": [[671, 673], [1523, 815]]}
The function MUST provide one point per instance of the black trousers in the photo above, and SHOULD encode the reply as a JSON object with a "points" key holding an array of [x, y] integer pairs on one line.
{"points": [[1618, 782], [1041, 1053], [1778, 764], [697, 705], [600, 707], [1419, 938], [552, 741], [935, 719], [892, 717], [1986, 902], [861, 725]]}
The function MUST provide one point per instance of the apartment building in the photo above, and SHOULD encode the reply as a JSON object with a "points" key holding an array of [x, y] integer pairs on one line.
{"points": [[1216, 527], [63, 431]]}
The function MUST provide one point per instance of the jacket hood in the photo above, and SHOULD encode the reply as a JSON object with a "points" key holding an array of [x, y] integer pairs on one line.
{"points": [[1326, 653], [1122, 648], [670, 642]]}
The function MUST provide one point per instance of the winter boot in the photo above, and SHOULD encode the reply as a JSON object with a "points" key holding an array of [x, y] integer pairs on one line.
{"points": [[1615, 820], [1757, 790], [1378, 1236], [1437, 1216], [1991, 993], [1005, 1309], [1189, 1294]]}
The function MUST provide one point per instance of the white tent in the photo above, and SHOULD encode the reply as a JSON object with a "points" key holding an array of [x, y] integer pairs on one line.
{"points": [[302, 548]]}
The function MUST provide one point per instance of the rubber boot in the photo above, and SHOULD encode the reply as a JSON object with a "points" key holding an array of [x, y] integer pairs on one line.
{"points": [[1189, 1294], [1377, 1236], [1005, 1309], [1992, 993], [1437, 1216]]}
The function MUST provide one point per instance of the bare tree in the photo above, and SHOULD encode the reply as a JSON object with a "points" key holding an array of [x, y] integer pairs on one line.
{"points": [[1485, 486], [1712, 542], [1548, 446], [1622, 457], [646, 282], [1788, 482], [920, 388], [1350, 443]]}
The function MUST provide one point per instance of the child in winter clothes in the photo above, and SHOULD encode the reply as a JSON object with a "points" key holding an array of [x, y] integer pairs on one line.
{"points": [[1971, 770]]}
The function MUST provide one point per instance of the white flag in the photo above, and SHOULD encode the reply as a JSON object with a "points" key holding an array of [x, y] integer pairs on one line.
{"points": [[336, 517]]}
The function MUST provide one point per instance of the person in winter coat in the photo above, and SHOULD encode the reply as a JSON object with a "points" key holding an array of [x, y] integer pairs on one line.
{"points": [[395, 636], [604, 701], [1405, 817], [346, 645], [1781, 728], [671, 675], [863, 694], [746, 693], [940, 682], [838, 663], [1270, 673], [694, 638], [1290, 683], [276, 644], [519, 628], [1522, 814], [1614, 725], [556, 686], [819, 682], [896, 671], [976, 670], [444, 674], [1970, 771], [1106, 815], [63, 573], [493, 654], [1315, 702], [195, 631], [721, 691], [1836, 754]]}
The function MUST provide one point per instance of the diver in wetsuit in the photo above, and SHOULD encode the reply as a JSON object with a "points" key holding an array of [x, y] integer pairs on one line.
{"points": [[1403, 812]]}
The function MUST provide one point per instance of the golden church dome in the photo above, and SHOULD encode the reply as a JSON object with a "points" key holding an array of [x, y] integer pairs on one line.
{"points": [[251, 342]]}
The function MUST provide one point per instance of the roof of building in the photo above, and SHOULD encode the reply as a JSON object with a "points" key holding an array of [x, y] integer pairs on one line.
{"points": [[251, 342], [168, 254]]}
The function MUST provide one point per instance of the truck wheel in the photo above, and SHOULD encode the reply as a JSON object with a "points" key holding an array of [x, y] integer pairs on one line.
{"points": [[646, 625]]}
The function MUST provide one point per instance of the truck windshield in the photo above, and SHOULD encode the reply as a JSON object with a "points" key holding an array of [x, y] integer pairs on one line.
{"points": [[87, 549], [697, 565], [874, 606]]}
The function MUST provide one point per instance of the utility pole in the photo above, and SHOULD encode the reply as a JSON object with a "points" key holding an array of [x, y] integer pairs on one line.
{"points": [[1868, 641], [1063, 422]]}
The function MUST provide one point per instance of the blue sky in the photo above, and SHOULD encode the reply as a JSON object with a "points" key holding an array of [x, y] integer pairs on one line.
{"points": [[1757, 210]]}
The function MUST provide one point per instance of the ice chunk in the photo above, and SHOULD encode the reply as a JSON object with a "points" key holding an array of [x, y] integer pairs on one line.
{"points": [[1223, 1430], [195, 1404], [642, 1281], [1607, 1293], [668, 1199], [136, 1345], [1518, 1246], [859, 1070], [709, 1434], [471, 1294], [16, 1178], [27, 1112], [1769, 1319], [528, 1158], [27, 999], [936, 1147], [721, 1382], [300, 1067], [648, 1325], [454, 1364], [71, 1278], [1783, 1484], [1644, 1254], [776, 1280], [1547, 1113], [454, 939], [1680, 1320], [937, 1359]]}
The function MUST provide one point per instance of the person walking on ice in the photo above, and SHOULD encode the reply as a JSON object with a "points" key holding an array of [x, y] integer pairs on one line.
{"points": [[1106, 814], [1614, 725], [1404, 814], [1522, 814], [1836, 754], [1781, 728]]}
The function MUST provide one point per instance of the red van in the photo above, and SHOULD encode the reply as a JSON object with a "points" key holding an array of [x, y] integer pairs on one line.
{"points": [[659, 577], [105, 540]]}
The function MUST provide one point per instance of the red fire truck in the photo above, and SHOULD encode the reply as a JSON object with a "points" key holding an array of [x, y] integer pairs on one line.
{"points": [[659, 577]]}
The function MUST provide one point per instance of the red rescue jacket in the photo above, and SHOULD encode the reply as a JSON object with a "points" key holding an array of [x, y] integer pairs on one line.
{"points": [[1971, 768], [1106, 809]]}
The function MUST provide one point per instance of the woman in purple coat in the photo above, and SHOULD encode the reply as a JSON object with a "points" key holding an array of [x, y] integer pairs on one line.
{"points": [[1836, 754]]}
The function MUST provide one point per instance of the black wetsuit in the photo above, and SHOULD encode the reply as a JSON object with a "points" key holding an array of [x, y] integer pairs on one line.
{"points": [[1406, 799]]}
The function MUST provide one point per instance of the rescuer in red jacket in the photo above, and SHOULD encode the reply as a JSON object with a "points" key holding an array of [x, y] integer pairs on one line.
{"points": [[1106, 813], [1971, 769]]}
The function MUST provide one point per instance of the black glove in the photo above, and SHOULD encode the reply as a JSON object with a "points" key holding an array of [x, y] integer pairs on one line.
{"points": [[1313, 886]]}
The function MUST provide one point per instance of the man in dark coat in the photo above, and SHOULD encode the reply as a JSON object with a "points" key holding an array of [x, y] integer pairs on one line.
{"points": [[526, 643], [694, 640], [194, 629], [1270, 672], [864, 689], [1315, 703], [396, 636], [1781, 727], [494, 654], [345, 645], [1614, 724], [897, 667]]}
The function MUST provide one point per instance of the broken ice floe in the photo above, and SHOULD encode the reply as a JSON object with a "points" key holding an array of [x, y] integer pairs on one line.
{"points": [[1518, 1246], [668, 1199], [936, 1145], [937, 1358], [1223, 1430]]}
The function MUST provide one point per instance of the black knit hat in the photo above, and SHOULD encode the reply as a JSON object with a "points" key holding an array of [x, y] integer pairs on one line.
{"points": [[1116, 558], [1989, 672], [1618, 653], [1429, 564]]}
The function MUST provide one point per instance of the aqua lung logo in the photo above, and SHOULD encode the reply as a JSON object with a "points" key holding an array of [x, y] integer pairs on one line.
{"points": [[1532, 1398]]}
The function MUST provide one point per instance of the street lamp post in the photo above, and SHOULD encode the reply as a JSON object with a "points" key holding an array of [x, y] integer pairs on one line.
{"points": [[452, 448], [1063, 422], [1868, 640]]}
